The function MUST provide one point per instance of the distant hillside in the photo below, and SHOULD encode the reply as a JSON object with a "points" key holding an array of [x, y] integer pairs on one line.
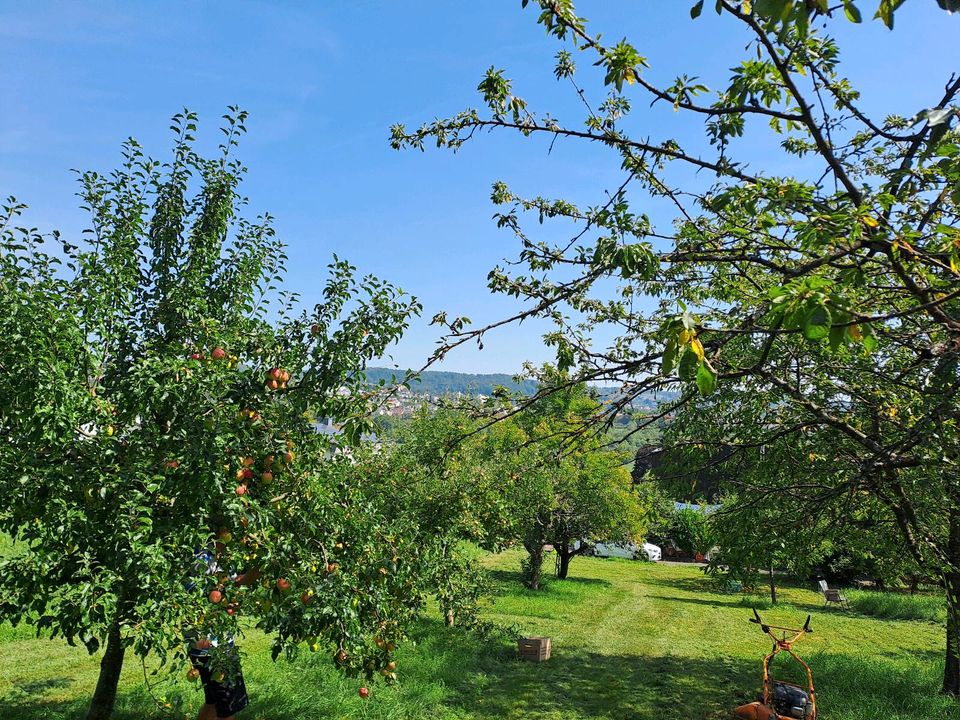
{"points": [[434, 382]]}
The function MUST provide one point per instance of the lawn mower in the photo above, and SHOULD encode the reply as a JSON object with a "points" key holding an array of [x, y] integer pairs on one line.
{"points": [[781, 699]]}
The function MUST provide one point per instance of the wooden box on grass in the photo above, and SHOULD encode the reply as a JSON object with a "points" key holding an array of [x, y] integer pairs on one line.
{"points": [[534, 649]]}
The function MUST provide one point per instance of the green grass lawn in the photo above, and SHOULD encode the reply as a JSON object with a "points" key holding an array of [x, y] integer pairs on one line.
{"points": [[630, 641]]}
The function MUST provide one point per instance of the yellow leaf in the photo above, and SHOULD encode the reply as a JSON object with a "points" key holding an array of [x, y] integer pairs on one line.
{"points": [[697, 348], [954, 265], [686, 336], [747, 7], [871, 222], [855, 332]]}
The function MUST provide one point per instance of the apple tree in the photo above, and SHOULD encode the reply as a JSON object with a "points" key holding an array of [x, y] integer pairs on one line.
{"points": [[562, 487], [439, 470], [159, 385]]}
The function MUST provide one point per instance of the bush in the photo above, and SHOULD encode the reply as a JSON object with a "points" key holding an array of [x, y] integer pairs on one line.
{"points": [[897, 606], [691, 531]]}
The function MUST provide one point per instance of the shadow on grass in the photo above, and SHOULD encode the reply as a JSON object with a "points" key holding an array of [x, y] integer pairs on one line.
{"points": [[508, 581], [459, 676], [14, 708]]}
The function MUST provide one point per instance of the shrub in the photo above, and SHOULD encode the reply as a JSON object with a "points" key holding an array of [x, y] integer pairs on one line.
{"points": [[691, 531]]}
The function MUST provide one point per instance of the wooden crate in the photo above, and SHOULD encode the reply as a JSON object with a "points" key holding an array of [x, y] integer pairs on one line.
{"points": [[534, 649]]}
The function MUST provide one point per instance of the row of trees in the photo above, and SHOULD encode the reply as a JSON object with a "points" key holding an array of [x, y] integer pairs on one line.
{"points": [[518, 481]]}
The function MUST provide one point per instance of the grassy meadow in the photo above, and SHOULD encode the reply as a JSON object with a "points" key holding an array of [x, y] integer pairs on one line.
{"points": [[631, 641]]}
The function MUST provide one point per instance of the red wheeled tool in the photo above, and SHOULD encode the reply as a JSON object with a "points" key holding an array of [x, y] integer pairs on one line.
{"points": [[781, 700]]}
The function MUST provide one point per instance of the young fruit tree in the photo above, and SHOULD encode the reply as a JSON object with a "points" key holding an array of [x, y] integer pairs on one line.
{"points": [[157, 403], [590, 490], [556, 489], [813, 283]]}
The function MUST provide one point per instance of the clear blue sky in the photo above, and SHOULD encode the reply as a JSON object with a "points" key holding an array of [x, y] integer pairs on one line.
{"points": [[324, 81]]}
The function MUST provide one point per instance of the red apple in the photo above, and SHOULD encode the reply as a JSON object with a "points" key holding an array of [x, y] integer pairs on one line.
{"points": [[288, 456], [245, 474], [273, 384], [275, 373], [284, 377], [196, 356], [391, 666], [231, 610], [283, 585], [215, 596], [193, 674], [203, 644], [173, 464], [241, 490], [268, 462], [218, 353], [305, 597], [332, 567], [267, 476], [247, 461], [364, 692], [315, 329]]}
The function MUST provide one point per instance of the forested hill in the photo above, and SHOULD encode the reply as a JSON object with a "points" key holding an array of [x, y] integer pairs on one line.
{"points": [[436, 382]]}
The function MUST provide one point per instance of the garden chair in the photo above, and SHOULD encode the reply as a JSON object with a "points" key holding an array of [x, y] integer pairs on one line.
{"points": [[832, 595]]}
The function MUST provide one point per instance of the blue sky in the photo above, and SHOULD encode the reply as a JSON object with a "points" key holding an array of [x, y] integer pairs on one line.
{"points": [[324, 81]]}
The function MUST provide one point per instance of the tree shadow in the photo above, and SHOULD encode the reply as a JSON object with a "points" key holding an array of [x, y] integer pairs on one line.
{"points": [[13, 707], [590, 685], [38, 687], [507, 581]]}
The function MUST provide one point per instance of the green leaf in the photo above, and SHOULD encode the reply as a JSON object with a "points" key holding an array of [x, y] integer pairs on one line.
{"points": [[564, 356], [838, 333], [816, 324], [669, 356], [852, 12], [696, 10], [706, 380], [689, 362], [771, 8]]}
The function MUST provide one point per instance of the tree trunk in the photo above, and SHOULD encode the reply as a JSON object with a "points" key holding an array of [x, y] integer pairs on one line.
{"points": [[563, 560], [448, 618], [535, 550], [104, 697], [951, 668], [773, 587]]}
